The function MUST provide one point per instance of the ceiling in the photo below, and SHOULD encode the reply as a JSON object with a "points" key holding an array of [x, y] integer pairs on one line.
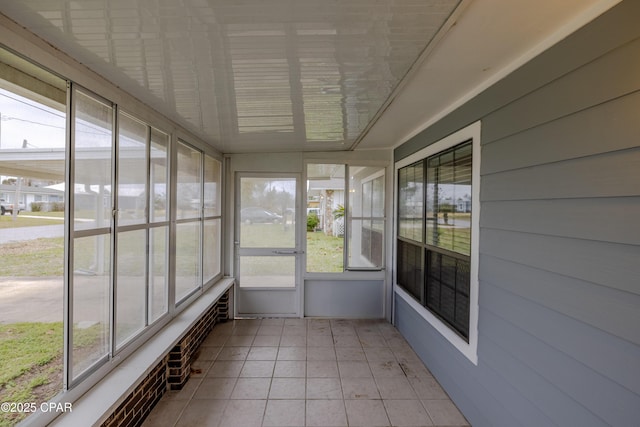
{"points": [[303, 75]]}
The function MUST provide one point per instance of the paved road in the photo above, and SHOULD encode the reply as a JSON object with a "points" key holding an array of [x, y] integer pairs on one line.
{"points": [[30, 233]]}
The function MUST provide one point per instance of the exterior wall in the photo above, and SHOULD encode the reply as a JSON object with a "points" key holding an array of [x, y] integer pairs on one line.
{"points": [[361, 299], [559, 341]]}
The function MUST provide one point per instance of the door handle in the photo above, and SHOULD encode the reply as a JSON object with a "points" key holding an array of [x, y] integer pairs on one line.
{"points": [[288, 252]]}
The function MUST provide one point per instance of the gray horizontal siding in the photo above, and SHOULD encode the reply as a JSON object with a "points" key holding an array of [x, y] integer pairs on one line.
{"points": [[598, 130], [576, 91], [472, 389], [607, 264], [569, 336], [611, 174], [592, 219], [537, 390], [609, 401], [559, 324], [587, 303]]}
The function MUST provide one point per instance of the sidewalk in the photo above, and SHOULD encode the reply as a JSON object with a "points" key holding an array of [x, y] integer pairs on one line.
{"points": [[31, 299]]}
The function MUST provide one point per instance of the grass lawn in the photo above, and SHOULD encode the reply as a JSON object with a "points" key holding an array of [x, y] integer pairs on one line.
{"points": [[324, 253], [6, 221], [30, 365], [34, 258]]}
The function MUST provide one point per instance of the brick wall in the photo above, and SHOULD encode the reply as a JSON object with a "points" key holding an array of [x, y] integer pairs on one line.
{"points": [[172, 372]]}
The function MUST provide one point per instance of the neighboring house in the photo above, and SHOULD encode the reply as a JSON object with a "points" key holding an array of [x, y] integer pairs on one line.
{"points": [[327, 196], [28, 195]]}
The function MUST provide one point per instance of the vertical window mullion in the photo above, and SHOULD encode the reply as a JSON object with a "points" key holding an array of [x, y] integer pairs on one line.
{"points": [[347, 219], [68, 241], [115, 150], [147, 218]]}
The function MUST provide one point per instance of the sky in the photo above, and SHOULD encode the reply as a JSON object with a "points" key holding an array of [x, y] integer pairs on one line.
{"points": [[22, 118]]}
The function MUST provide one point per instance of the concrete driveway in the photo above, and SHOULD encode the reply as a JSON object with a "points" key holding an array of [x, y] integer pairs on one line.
{"points": [[36, 299]]}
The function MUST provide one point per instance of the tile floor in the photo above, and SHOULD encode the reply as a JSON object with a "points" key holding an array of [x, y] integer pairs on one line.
{"points": [[307, 372]]}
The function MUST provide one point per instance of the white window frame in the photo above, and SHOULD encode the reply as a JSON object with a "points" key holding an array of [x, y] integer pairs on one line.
{"points": [[468, 349]]}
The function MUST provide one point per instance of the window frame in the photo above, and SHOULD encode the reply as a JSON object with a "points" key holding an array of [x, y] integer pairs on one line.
{"points": [[467, 348], [351, 271]]}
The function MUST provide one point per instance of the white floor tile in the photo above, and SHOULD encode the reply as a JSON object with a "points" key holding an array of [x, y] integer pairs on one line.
{"points": [[366, 413], [325, 413], [288, 388], [284, 413], [324, 388], [307, 372]]}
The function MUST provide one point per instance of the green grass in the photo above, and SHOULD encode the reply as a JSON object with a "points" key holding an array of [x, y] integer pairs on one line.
{"points": [[6, 221], [30, 365], [33, 258], [324, 253], [26, 345], [267, 235]]}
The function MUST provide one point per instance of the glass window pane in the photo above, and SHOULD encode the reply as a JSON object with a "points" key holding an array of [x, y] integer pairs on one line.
{"points": [[90, 301], [268, 271], [131, 284], [93, 132], [158, 272], [132, 170], [325, 217], [32, 122], [409, 274], [377, 198], [268, 212], [447, 290], [159, 176], [189, 182], [211, 248], [449, 200], [410, 201], [212, 186], [188, 258], [366, 243], [366, 233]]}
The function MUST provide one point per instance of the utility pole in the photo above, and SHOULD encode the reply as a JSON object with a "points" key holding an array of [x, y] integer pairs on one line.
{"points": [[16, 198]]}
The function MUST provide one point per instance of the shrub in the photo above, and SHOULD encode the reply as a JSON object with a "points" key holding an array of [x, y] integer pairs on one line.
{"points": [[36, 206], [312, 221]]}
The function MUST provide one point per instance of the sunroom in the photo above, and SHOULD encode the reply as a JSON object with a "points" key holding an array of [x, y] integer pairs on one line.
{"points": [[308, 213]]}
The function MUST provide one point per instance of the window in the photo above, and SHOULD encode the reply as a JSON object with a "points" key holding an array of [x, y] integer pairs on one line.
{"points": [[437, 233], [189, 224], [343, 214], [33, 124], [66, 151], [119, 240], [365, 224], [212, 218], [198, 228], [91, 243], [141, 282]]}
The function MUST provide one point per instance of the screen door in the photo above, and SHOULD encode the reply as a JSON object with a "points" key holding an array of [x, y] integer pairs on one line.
{"points": [[268, 247]]}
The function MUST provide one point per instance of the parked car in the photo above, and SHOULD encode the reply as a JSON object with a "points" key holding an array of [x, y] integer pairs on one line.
{"points": [[259, 215], [8, 207]]}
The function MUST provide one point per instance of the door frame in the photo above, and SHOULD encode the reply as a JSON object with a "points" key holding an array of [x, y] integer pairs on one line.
{"points": [[297, 251]]}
